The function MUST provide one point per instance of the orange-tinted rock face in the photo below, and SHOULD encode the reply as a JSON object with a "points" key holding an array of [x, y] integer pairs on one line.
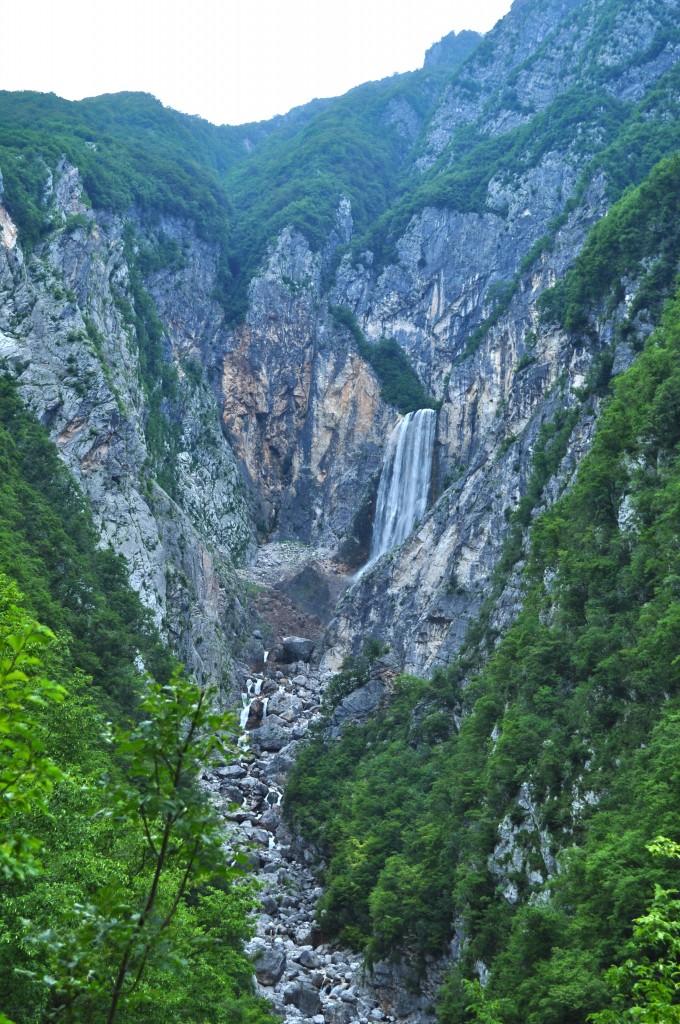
{"points": [[301, 408]]}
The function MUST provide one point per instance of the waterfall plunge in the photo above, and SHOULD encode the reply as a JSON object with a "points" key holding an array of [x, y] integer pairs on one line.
{"points": [[404, 481]]}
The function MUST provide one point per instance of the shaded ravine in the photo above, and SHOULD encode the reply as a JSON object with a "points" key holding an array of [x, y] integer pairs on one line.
{"points": [[298, 970]]}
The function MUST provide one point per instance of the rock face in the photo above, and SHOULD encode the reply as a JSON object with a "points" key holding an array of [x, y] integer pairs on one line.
{"points": [[309, 424], [74, 353], [302, 410], [277, 426]]}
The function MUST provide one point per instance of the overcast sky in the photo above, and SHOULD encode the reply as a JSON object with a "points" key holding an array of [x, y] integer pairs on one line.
{"points": [[230, 61]]}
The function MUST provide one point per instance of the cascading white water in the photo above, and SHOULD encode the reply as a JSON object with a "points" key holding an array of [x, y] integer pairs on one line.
{"points": [[404, 481], [248, 696]]}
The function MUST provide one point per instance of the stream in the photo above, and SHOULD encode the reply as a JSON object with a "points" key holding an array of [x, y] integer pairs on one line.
{"points": [[303, 976]]}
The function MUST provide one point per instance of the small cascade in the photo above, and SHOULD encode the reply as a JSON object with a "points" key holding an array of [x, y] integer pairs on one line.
{"points": [[248, 696], [404, 481], [288, 952]]}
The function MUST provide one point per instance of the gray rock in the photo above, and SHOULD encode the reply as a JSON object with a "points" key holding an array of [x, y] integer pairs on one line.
{"points": [[295, 648], [269, 905], [337, 1013], [254, 786], [231, 793], [270, 962], [308, 959], [231, 771], [286, 705], [253, 653], [305, 997], [309, 590], [359, 705], [271, 736], [270, 821]]}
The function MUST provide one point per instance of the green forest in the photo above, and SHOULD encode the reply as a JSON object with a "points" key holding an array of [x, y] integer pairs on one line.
{"points": [[116, 899], [577, 708]]}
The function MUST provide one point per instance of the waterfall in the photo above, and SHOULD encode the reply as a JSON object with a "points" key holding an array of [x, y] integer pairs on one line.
{"points": [[404, 481]]}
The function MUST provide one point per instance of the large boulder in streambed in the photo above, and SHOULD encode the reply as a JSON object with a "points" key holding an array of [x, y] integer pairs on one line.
{"points": [[272, 734], [304, 997], [270, 962], [295, 648]]}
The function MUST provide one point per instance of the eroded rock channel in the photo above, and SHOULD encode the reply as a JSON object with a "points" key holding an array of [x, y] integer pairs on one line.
{"points": [[297, 969], [301, 975]]}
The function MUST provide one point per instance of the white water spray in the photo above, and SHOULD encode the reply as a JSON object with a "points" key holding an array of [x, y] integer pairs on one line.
{"points": [[404, 481]]}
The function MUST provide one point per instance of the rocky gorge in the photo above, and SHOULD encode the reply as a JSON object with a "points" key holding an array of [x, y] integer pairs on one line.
{"points": [[222, 336], [303, 974]]}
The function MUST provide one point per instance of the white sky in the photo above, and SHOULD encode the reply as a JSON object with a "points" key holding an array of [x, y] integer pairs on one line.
{"points": [[231, 61]]}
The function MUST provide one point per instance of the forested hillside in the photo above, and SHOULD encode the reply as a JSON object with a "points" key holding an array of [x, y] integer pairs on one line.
{"points": [[94, 766], [507, 803], [132, 151]]}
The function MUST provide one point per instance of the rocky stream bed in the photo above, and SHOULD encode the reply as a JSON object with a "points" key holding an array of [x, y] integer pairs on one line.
{"points": [[303, 975]]}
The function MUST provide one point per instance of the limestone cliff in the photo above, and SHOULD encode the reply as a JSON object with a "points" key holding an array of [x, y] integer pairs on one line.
{"points": [[302, 410], [496, 372], [272, 423], [68, 336]]}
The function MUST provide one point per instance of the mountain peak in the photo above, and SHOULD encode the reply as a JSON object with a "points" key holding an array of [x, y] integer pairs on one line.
{"points": [[453, 49]]}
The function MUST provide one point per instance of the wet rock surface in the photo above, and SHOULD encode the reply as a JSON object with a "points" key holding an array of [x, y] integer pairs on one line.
{"points": [[305, 977]]}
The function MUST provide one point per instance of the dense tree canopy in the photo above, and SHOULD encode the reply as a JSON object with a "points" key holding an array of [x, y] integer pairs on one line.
{"points": [[566, 740]]}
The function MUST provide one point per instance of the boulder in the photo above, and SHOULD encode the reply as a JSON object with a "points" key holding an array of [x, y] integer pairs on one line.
{"points": [[287, 705], [295, 648], [231, 771], [231, 792], [308, 959], [270, 821], [305, 997], [269, 905], [270, 962], [271, 735], [337, 1013], [255, 713]]}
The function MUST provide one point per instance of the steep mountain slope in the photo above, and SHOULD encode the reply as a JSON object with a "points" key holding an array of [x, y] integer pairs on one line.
{"points": [[127, 241], [73, 863], [504, 807], [438, 302], [81, 335]]}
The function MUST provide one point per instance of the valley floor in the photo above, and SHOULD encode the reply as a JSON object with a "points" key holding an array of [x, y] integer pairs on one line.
{"points": [[297, 969]]}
